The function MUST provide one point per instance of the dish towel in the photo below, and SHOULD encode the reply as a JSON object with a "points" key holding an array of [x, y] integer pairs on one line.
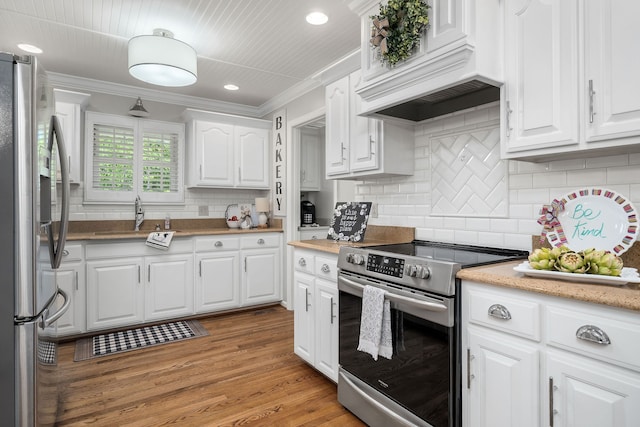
{"points": [[160, 239], [375, 324]]}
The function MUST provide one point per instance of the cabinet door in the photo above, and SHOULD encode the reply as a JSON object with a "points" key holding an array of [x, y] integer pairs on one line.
{"points": [[310, 159], [253, 157], [69, 117], [214, 152], [363, 142], [115, 293], [337, 127], [304, 309], [502, 382], [261, 276], [612, 67], [70, 279], [586, 393], [169, 286], [326, 328], [541, 74], [217, 284]]}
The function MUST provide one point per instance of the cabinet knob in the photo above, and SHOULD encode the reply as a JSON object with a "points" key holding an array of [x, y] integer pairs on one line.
{"points": [[302, 262], [261, 241], [325, 268], [218, 244], [499, 311]]}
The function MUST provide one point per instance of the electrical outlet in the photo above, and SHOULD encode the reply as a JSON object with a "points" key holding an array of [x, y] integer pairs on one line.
{"points": [[374, 210], [203, 210]]}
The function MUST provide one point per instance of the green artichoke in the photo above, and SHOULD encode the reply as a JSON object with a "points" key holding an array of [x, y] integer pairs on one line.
{"points": [[545, 258], [603, 262], [572, 262]]}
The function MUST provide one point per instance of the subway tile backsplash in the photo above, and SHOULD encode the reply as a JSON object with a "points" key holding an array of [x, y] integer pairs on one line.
{"points": [[407, 201]]}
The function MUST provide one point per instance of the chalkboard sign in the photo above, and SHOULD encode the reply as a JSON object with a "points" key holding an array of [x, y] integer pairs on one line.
{"points": [[349, 221]]}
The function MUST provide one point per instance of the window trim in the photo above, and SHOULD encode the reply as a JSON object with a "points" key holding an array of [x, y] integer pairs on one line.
{"points": [[139, 127]]}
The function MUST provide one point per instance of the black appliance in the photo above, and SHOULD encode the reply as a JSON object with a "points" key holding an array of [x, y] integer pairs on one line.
{"points": [[420, 385], [307, 213]]}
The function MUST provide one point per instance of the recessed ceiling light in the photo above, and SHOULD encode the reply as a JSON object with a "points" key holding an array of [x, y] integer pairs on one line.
{"points": [[317, 18], [29, 48], [231, 87]]}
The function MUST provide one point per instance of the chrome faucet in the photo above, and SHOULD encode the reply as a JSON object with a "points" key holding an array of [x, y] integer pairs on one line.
{"points": [[139, 212]]}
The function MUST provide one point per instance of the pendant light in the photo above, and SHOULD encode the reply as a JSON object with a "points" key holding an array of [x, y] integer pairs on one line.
{"points": [[161, 60], [138, 109]]}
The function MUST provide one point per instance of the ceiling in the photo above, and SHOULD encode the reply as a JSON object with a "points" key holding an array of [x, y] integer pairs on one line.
{"points": [[263, 46]]}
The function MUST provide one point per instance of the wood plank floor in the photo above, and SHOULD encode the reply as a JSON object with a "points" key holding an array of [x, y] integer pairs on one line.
{"points": [[244, 373]]}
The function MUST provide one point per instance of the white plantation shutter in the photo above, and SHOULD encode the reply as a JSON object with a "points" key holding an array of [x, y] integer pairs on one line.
{"points": [[128, 157]]}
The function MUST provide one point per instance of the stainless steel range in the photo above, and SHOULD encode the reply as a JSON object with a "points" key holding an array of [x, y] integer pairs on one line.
{"points": [[420, 384]]}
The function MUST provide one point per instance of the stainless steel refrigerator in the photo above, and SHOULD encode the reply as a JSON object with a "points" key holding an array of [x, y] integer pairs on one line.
{"points": [[33, 221]]}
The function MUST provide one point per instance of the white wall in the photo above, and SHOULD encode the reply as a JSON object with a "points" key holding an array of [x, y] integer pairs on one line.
{"points": [[406, 201]]}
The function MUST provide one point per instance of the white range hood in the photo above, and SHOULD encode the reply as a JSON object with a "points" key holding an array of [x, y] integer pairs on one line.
{"points": [[459, 63]]}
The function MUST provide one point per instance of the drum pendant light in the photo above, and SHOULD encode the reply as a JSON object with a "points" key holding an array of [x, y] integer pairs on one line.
{"points": [[162, 60]]}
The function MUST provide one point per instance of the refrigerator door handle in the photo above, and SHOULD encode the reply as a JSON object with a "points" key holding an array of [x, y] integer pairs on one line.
{"points": [[46, 321], [56, 248]]}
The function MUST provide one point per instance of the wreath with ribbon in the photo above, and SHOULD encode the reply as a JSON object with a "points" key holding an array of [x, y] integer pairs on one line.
{"points": [[397, 29]]}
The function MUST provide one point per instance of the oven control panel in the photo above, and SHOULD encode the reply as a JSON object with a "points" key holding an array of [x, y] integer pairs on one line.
{"points": [[387, 265]]}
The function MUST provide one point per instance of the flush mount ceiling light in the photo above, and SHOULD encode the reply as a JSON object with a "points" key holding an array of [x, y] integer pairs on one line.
{"points": [[138, 109], [162, 60], [317, 18], [29, 48], [231, 87]]}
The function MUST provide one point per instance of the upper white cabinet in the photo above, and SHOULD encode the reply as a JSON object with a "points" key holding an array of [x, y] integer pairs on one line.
{"points": [[227, 151], [357, 146], [311, 147], [69, 107], [568, 89], [461, 44]]}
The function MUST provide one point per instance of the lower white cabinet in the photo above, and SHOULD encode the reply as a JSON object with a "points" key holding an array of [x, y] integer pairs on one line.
{"points": [[133, 289], [217, 282], [260, 274], [316, 310], [537, 360]]}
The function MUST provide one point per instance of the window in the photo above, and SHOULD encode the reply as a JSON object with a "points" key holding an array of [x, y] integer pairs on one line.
{"points": [[127, 157]]}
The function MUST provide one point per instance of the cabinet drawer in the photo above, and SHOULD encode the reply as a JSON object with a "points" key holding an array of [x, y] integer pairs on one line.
{"points": [[303, 261], [217, 243], [564, 324], [71, 253], [135, 248], [505, 313], [327, 268], [259, 240]]}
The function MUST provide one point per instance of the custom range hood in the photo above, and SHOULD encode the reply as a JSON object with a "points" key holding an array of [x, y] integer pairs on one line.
{"points": [[459, 64]]}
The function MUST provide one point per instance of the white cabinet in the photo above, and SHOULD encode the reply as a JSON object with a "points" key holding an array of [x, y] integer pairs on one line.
{"points": [[313, 233], [217, 282], [115, 293], [227, 151], [311, 147], [169, 287], [69, 278], [316, 310], [69, 107], [567, 89], [357, 146], [261, 272], [139, 285], [533, 360]]}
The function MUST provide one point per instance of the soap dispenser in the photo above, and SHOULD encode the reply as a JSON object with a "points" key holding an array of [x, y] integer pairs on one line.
{"points": [[167, 222]]}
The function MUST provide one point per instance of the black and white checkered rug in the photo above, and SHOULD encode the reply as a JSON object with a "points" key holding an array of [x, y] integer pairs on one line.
{"points": [[133, 339]]}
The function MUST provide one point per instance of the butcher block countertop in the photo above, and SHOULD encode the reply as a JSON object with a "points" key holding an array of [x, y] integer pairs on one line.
{"points": [[110, 230], [375, 235], [626, 296]]}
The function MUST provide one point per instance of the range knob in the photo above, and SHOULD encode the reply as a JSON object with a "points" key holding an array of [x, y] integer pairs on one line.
{"points": [[356, 259], [411, 270], [424, 272]]}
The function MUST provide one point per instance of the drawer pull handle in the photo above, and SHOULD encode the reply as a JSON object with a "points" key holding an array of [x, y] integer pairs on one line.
{"points": [[65, 253], [593, 334], [325, 268], [302, 262], [499, 311], [261, 241], [218, 244]]}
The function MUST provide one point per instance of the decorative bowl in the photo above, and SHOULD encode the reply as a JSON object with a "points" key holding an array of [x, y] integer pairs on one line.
{"points": [[233, 224]]}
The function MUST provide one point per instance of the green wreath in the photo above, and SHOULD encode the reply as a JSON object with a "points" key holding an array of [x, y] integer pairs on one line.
{"points": [[397, 29]]}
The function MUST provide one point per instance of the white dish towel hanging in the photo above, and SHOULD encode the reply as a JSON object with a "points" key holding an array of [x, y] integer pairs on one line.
{"points": [[375, 324], [160, 239]]}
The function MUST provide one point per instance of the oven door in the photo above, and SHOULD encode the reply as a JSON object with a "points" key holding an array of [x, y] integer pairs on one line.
{"points": [[419, 384]]}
